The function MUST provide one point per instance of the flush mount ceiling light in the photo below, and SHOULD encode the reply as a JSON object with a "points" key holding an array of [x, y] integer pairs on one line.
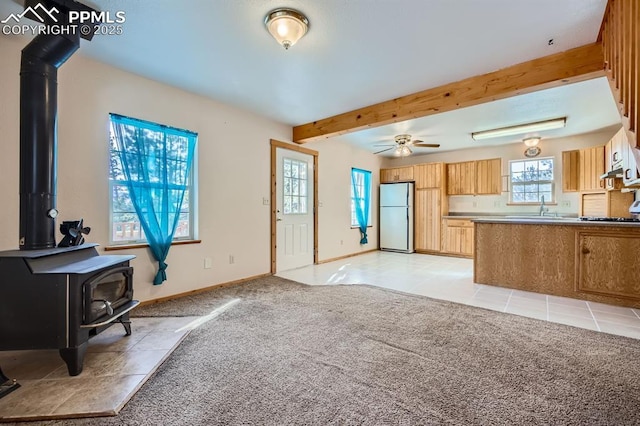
{"points": [[287, 26], [556, 123], [531, 141]]}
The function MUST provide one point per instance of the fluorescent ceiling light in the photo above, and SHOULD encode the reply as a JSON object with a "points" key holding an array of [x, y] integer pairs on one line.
{"points": [[556, 123]]}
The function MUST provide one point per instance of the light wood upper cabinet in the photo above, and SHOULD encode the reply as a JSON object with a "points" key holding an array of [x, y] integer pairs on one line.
{"points": [[571, 171], [396, 174], [488, 176], [429, 175], [479, 177], [461, 178], [591, 167], [457, 237]]}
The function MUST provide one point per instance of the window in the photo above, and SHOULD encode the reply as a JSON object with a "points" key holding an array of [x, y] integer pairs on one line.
{"points": [[295, 186], [531, 180], [360, 195], [154, 152]]}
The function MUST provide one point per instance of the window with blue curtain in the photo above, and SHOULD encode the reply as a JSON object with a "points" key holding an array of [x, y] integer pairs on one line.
{"points": [[361, 201], [152, 185]]}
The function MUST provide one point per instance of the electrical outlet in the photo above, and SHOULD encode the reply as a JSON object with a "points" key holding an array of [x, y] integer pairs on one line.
{"points": [[475, 204], [496, 203], [265, 201], [208, 263], [231, 259], [341, 242], [566, 203]]}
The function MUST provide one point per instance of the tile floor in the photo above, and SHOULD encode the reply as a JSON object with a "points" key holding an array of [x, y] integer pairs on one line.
{"points": [[115, 367], [451, 278]]}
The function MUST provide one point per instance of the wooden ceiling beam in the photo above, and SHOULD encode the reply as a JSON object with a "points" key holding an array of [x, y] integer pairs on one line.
{"points": [[579, 64]]}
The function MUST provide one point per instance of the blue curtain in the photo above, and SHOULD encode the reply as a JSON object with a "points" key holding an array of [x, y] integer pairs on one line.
{"points": [[156, 163], [362, 200]]}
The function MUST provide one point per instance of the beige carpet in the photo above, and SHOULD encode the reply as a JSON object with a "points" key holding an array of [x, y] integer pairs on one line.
{"points": [[286, 353]]}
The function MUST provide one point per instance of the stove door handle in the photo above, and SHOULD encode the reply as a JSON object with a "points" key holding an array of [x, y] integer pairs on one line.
{"points": [[107, 305]]}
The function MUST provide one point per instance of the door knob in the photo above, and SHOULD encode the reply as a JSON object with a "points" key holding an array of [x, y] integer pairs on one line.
{"points": [[585, 250]]}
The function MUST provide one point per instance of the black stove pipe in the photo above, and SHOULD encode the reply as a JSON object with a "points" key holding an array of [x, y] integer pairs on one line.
{"points": [[39, 137]]}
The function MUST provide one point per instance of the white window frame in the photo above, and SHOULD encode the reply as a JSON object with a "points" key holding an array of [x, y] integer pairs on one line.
{"points": [[551, 182], [193, 204], [354, 217]]}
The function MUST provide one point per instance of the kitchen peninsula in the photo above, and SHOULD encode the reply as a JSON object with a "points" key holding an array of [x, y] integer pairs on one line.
{"points": [[595, 261]]}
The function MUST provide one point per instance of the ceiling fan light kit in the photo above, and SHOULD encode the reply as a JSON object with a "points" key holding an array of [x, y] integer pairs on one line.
{"points": [[402, 151], [538, 126], [403, 144], [287, 26]]}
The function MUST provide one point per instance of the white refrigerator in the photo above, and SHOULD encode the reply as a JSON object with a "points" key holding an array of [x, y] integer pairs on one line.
{"points": [[396, 217]]}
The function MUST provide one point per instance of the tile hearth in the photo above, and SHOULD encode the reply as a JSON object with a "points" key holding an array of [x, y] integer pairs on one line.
{"points": [[115, 367]]}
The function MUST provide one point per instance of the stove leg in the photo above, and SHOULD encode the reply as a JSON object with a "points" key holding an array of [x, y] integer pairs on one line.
{"points": [[126, 323], [74, 357], [127, 327]]}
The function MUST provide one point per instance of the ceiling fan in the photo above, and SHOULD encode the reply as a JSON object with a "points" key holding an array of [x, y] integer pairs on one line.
{"points": [[403, 144]]}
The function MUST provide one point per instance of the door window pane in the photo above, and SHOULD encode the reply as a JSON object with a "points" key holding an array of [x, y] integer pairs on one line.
{"points": [[294, 186]]}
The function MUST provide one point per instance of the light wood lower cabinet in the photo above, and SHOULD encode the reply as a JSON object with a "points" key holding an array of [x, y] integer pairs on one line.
{"points": [[428, 204], [457, 237], [607, 264], [582, 261]]}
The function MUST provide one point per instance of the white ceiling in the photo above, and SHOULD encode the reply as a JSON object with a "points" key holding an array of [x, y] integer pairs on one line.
{"points": [[357, 53]]}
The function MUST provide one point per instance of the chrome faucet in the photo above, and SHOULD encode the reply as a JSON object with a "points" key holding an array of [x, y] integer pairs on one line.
{"points": [[543, 209]]}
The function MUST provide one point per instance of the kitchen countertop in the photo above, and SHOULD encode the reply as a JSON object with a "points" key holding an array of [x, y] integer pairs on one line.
{"points": [[550, 220], [461, 217]]}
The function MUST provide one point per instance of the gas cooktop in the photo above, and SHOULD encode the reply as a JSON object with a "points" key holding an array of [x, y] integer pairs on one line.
{"points": [[610, 219]]}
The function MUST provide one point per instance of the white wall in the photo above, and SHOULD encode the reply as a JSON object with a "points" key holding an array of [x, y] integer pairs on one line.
{"points": [[335, 235], [567, 203], [233, 169], [233, 172]]}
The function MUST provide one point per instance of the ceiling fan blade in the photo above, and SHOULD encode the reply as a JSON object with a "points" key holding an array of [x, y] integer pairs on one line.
{"points": [[387, 144], [384, 150], [427, 145]]}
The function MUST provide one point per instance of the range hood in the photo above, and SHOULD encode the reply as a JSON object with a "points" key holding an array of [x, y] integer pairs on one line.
{"points": [[615, 173]]}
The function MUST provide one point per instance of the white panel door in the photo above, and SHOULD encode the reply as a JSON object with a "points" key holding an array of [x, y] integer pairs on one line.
{"points": [[294, 209]]}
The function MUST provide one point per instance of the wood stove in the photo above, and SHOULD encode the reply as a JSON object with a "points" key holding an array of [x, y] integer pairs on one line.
{"points": [[54, 297], [59, 298]]}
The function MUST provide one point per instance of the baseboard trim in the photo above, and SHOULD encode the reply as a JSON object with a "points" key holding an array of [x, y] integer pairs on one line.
{"points": [[442, 253], [333, 259], [202, 290]]}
